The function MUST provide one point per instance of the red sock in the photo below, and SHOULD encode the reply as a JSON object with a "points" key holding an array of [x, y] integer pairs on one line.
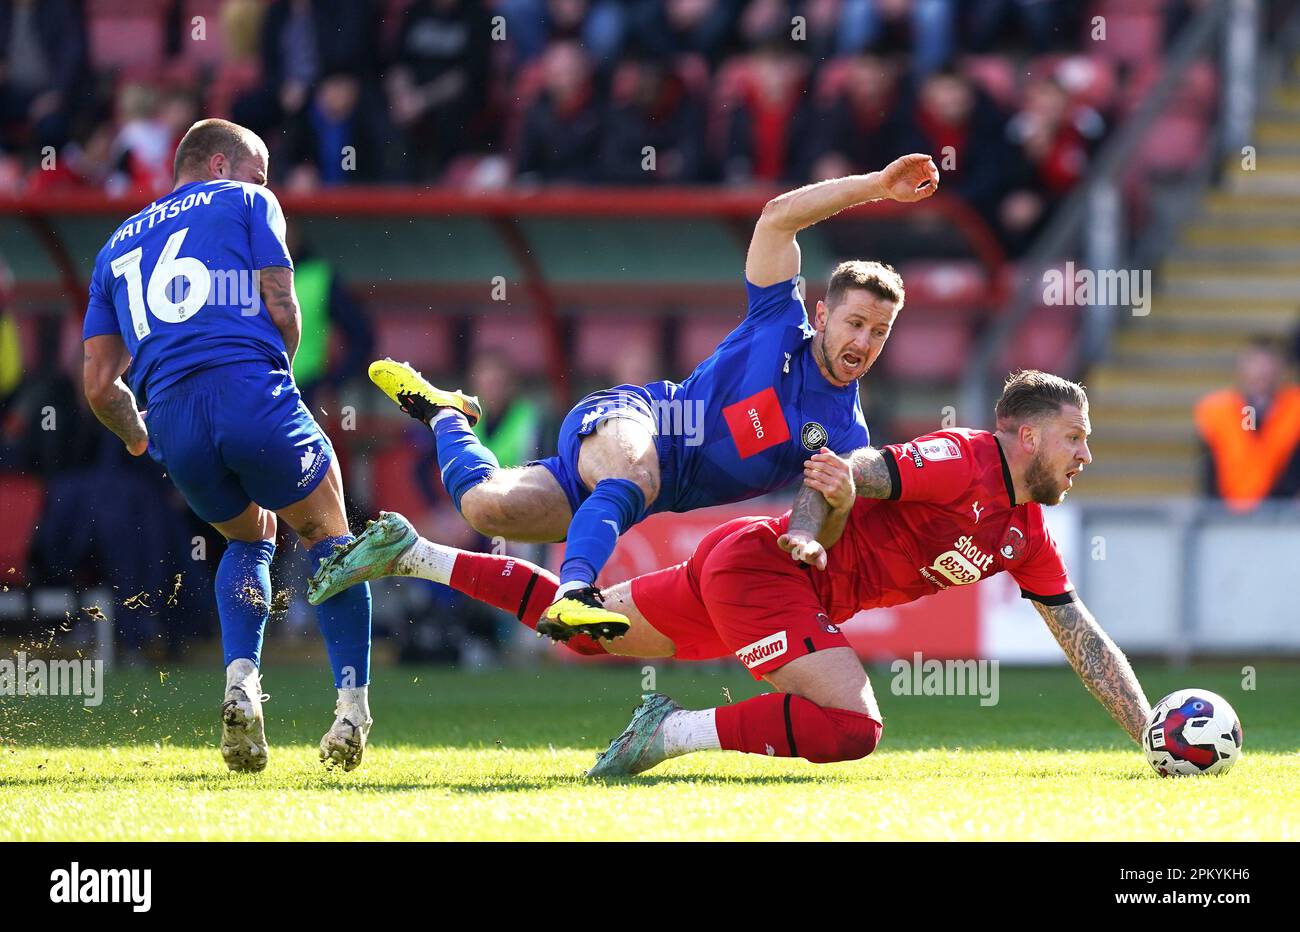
{"points": [[513, 585], [785, 725]]}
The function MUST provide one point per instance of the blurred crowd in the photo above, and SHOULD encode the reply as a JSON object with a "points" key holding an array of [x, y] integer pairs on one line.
{"points": [[493, 92]]}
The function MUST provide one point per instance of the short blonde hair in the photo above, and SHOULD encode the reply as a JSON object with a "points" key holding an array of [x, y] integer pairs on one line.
{"points": [[878, 278], [206, 138], [1029, 393]]}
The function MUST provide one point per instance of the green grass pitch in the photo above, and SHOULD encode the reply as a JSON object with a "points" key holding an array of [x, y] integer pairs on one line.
{"points": [[500, 755]]}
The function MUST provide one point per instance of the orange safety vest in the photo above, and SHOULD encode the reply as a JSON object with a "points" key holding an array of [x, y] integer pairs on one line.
{"points": [[1248, 463]]}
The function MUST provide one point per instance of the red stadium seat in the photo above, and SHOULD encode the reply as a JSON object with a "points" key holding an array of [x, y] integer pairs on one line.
{"points": [[928, 346], [996, 76], [21, 501], [393, 479], [1048, 340], [125, 38], [212, 48], [1133, 37], [519, 337], [1090, 80], [598, 339], [423, 340], [961, 286], [697, 338], [1174, 144], [230, 81]]}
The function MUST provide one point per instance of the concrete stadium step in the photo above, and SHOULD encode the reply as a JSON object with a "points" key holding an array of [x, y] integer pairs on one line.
{"points": [[1219, 203], [1250, 232], [1113, 448], [1152, 340], [1103, 469], [1176, 360], [1260, 253], [1134, 487], [1226, 286], [1265, 181]]}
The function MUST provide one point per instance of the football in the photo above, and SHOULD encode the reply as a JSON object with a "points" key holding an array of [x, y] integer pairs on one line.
{"points": [[1191, 732]]}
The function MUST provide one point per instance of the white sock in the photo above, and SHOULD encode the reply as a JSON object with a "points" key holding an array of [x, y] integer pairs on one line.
{"points": [[566, 588], [428, 560], [445, 412], [354, 698], [238, 673], [686, 731]]}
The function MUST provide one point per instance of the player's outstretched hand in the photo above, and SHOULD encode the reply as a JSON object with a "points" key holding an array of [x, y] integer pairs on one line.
{"points": [[910, 178], [803, 549], [833, 477]]}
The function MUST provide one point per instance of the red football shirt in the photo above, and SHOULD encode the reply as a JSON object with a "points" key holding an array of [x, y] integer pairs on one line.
{"points": [[952, 521]]}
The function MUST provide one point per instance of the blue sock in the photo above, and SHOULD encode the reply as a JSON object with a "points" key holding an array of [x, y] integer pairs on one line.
{"points": [[243, 586], [614, 506], [344, 622], [462, 458]]}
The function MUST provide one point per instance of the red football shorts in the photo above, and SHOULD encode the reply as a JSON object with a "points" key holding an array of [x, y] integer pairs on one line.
{"points": [[740, 594]]}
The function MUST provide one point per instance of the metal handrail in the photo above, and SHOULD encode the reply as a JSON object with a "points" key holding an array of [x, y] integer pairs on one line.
{"points": [[1099, 187]]}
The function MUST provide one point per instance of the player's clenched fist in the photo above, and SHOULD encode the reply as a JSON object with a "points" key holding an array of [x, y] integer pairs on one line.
{"points": [[803, 548], [910, 178], [832, 476]]}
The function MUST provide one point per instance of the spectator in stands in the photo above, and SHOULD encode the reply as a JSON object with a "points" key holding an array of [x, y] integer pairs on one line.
{"points": [[857, 119], [693, 28], [964, 132], [921, 31], [303, 40], [437, 84], [43, 67], [598, 25], [561, 133], [153, 123], [770, 132], [329, 313], [335, 139], [1054, 138], [512, 422], [1041, 25], [88, 162], [1252, 432], [651, 105], [51, 434]]}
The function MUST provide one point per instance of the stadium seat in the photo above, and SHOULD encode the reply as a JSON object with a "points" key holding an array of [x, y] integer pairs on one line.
{"points": [[22, 499], [1173, 145], [996, 76], [1133, 36], [1048, 340], [423, 340], [517, 336], [131, 38], [599, 338], [1090, 80], [697, 338], [929, 346], [393, 478], [960, 286], [212, 49], [230, 81]]}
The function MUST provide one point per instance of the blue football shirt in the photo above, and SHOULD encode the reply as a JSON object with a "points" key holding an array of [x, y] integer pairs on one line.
{"points": [[177, 282], [748, 417]]}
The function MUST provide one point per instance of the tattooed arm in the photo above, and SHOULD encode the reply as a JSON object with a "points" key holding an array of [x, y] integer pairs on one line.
{"points": [[282, 303], [825, 500], [105, 359], [1100, 664]]}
